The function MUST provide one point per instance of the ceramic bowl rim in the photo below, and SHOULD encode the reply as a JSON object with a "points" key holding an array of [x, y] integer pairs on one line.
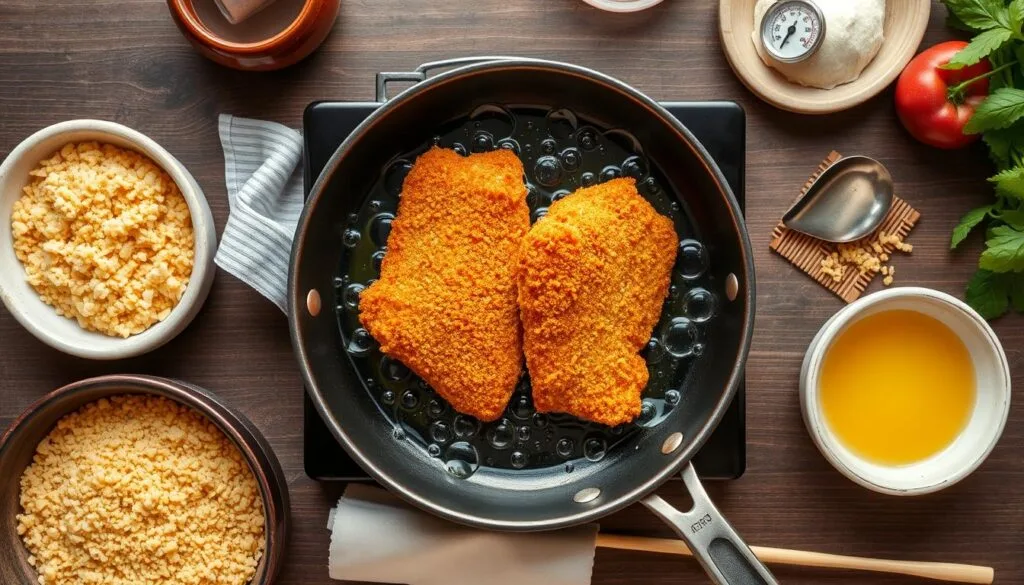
{"points": [[825, 440], [204, 245], [233, 424]]}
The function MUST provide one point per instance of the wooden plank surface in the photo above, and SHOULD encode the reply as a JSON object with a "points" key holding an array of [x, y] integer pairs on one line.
{"points": [[124, 60]]}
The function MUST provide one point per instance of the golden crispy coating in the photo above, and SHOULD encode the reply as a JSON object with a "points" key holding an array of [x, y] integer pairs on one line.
{"points": [[592, 279], [445, 304]]}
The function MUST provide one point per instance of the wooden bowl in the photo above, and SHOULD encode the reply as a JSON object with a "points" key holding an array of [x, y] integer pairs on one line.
{"points": [[905, 23], [18, 445]]}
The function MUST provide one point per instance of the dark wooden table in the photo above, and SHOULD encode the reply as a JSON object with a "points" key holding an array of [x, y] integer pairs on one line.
{"points": [[124, 60]]}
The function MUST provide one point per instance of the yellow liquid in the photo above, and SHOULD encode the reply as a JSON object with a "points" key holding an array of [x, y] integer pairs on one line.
{"points": [[897, 387]]}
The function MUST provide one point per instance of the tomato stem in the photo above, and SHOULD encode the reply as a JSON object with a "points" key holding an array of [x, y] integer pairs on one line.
{"points": [[956, 93]]}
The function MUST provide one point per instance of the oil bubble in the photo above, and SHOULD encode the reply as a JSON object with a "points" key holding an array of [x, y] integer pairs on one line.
{"points": [[564, 447], [700, 304], [672, 397], [547, 171], [466, 426], [380, 228], [610, 172], [679, 337], [518, 459], [561, 123], [435, 408], [377, 260], [594, 449], [548, 146], [483, 141], [540, 420], [522, 408], [393, 369], [388, 397], [351, 218], [350, 296], [523, 434], [509, 144], [460, 149], [587, 138], [571, 159], [410, 399], [398, 433], [560, 194], [501, 435], [440, 432], [461, 459], [653, 352], [361, 343], [374, 206], [434, 450], [494, 118], [588, 179], [569, 468], [350, 238], [650, 187], [635, 167], [692, 259], [539, 213], [533, 196], [647, 413]]}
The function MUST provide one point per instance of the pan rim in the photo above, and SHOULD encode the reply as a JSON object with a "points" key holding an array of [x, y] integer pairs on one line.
{"points": [[673, 464]]}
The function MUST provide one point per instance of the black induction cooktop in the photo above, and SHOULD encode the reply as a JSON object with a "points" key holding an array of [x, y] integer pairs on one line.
{"points": [[719, 126]]}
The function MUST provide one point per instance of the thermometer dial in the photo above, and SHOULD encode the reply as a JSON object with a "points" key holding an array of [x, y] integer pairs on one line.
{"points": [[792, 30]]}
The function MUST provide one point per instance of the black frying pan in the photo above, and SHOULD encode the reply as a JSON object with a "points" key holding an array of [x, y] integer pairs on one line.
{"points": [[555, 489]]}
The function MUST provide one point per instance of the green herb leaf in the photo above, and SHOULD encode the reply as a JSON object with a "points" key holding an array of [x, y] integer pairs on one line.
{"points": [[1004, 251], [987, 292], [1010, 183], [1016, 11], [1012, 217], [980, 14], [1016, 291], [968, 223], [979, 48], [1004, 145], [999, 110]]}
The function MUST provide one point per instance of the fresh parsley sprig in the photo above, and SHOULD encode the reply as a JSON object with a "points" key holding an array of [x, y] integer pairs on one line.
{"points": [[997, 26]]}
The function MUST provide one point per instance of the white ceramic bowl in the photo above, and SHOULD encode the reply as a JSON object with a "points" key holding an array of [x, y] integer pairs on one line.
{"points": [[983, 429], [623, 5], [41, 319]]}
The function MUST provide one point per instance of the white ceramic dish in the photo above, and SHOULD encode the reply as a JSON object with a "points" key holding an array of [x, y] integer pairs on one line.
{"points": [[41, 319], [623, 5], [975, 442]]}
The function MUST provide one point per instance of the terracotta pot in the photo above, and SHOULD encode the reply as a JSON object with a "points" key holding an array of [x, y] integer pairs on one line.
{"points": [[285, 48]]}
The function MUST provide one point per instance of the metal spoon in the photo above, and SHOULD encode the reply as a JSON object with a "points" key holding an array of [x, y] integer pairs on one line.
{"points": [[846, 202]]}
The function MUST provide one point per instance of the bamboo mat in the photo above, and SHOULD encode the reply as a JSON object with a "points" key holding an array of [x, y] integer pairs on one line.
{"points": [[806, 252]]}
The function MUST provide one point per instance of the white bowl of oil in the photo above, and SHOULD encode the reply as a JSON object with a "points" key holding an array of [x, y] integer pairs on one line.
{"points": [[905, 391]]}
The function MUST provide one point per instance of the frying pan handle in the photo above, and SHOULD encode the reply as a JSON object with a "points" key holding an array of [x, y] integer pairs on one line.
{"points": [[720, 550], [422, 72]]}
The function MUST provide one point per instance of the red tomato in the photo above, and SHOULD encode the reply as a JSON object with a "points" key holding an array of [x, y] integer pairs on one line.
{"points": [[927, 104]]}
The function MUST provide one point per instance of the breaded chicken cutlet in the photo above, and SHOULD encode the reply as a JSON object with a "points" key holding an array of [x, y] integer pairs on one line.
{"points": [[445, 303], [593, 275]]}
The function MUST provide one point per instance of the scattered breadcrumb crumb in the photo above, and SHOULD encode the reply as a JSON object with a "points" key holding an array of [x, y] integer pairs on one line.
{"points": [[140, 490], [866, 256], [105, 237]]}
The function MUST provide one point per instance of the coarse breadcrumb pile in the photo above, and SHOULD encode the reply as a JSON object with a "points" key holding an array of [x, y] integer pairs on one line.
{"points": [[865, 256], [140, 490], [105, 237], [593, 276], [445, 303]]}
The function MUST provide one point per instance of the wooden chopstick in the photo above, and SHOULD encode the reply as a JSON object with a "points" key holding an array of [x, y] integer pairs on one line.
{"points": [[938, 571]]}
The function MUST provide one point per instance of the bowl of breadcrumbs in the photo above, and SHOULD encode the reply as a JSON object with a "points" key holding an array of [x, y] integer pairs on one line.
{"points": [[138, 480], [106, 240]]}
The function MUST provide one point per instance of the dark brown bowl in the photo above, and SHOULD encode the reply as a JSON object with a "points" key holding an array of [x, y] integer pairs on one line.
{"points": [[291, 45], [18, 444]]}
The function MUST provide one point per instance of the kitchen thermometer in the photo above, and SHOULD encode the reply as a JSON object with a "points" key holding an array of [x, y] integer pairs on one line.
{"points": [[792, 30]]}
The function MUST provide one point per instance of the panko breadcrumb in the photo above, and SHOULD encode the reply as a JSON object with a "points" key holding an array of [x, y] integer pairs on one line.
{"points": [[593, 277], [865, 256], [105, 237], [140, 490]]}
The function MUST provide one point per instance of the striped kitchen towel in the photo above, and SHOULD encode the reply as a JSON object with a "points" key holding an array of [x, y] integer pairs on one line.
{"points": [[264, 182]]}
